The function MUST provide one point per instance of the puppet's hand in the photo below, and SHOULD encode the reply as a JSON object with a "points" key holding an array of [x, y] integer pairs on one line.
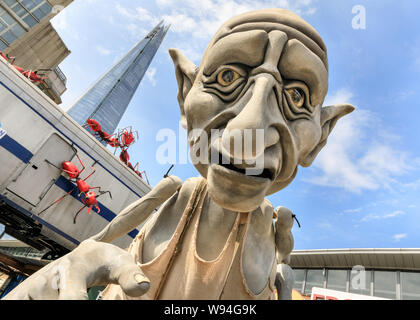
{"points": [[91, 264]]}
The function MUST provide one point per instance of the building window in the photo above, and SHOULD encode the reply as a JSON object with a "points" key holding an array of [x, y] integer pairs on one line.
{"points": [[10, 29], [314, 278], [2, 46], [299, 279], [43, 10], [385, 283], [410, 285], [337, 280], [30, 11]]}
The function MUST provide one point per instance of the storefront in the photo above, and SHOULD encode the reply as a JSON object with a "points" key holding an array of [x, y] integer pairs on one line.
{"points": [[383, 273]]}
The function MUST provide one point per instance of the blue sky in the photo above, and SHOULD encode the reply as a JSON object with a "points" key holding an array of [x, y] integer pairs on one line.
{"points": [[363, 189]]}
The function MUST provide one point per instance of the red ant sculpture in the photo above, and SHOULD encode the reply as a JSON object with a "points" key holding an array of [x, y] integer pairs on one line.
{"points": [[126, 137], [96, 130], [88, 197], [93, 126], [136, 170], [6, 57], [31, 75], [125, 157]]}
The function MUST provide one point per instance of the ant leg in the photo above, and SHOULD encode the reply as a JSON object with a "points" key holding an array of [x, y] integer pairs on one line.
{"points": [[83, 166], [101, 193], [87, 126], [59, 199], [75, 217], [91, 209], [93, 171], [147, 179], [51, 164], [68, 172], [91, 130]]}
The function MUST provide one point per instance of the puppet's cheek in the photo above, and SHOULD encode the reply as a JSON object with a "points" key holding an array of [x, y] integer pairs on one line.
{"points": [[201, 107], [307, 134]]}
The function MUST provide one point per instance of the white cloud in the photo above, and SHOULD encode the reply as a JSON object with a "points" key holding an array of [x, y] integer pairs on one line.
{"points": [[353, 210], [325, 225], [150, 74], [195, 22], [144, 15], [398, 237], [140, 14], [163, 3], [414, 185], [393, 214], [342, 95], [206, 16], [103, 51], [124, 11], [359, 154], [310, 11], [180, 22], [370, 217]]}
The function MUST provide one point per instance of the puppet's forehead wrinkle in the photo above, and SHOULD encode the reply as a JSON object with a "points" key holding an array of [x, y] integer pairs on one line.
{"points": [[291, 32], [247, 48], [275, 19], [274, 16]]}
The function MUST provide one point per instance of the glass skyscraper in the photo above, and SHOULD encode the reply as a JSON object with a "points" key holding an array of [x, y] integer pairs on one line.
{"points": [[107, 100]]}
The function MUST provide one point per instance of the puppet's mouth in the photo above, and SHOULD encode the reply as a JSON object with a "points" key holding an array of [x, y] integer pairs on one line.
{"points": [[250, 171]]}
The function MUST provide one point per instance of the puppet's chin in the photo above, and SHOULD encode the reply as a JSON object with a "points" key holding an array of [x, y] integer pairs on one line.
{"points": [[235, 191]]}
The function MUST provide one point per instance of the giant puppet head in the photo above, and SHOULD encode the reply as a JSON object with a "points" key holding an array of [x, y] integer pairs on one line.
{"points": [[264, 70]]}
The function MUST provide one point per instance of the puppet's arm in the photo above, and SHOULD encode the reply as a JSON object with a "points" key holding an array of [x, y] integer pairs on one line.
{"points": [[95, 262], [284, 245]]}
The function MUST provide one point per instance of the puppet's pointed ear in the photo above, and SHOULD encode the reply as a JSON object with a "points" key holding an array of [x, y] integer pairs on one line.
{"points": [[186, 72], [329, 117]]}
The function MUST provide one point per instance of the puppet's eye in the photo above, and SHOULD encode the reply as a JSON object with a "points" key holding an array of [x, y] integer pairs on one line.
{"points": [[298, 96], [227, 76]]}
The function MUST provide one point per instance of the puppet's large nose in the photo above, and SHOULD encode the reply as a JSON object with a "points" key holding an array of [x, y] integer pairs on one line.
{"points": [[252, 125]]}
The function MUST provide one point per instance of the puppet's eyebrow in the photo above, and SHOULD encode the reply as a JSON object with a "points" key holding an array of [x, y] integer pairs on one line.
{"points": [[300, 63], [241, 47]]}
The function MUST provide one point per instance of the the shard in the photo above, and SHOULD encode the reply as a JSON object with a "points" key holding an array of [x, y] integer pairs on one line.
{"points": [[107, 100]]}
